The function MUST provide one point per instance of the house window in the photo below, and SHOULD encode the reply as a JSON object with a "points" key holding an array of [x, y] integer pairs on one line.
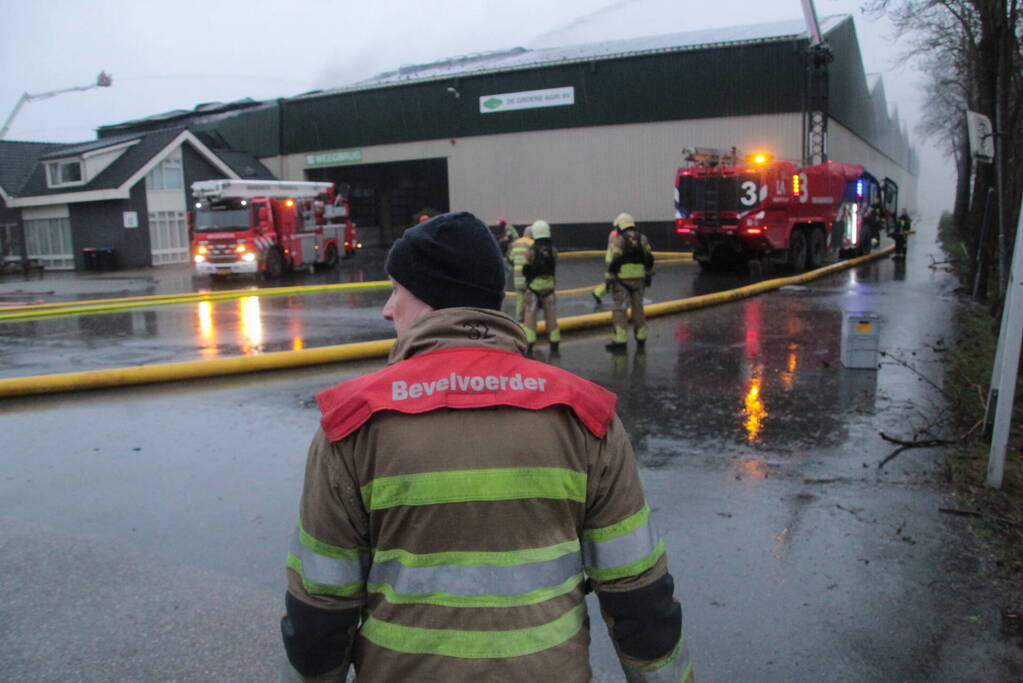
{"points": [[49, 241], [64, 173], [10, 244], [166, 176], [168, 237]]}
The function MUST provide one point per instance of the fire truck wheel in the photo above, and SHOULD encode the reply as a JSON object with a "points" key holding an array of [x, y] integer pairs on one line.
{"points": [[330, 258], [815, 256], [797, 251], [274, 264]]}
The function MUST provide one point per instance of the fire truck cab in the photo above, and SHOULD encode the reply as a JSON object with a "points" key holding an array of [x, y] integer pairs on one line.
{"points": [[268, 227], [734, 209]]}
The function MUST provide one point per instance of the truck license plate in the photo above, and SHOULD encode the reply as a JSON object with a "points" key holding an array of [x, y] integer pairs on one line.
{"points": [[223, 271]]}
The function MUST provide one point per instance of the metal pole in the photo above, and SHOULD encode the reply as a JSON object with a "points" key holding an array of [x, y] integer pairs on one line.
{"points": [[1003, 375], [999, 182], [982, 244]]}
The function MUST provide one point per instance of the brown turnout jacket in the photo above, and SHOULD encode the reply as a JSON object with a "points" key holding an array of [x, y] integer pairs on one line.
{"points": [[466, 539]]}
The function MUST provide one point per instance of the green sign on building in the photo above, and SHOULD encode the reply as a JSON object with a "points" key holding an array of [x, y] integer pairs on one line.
{"points": [[334, 158]]}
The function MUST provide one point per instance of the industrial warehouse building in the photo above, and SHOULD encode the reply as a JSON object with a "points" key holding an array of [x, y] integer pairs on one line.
{"points": [[573, 135]]}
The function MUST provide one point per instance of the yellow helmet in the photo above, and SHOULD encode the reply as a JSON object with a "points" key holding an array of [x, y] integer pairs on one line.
{"points": [[624, 220], [540, 230]]}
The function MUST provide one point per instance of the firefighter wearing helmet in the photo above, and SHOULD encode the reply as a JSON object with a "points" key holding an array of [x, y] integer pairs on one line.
{"points": [[506, 234], [517, 254], [541, 262], [628, 274]]}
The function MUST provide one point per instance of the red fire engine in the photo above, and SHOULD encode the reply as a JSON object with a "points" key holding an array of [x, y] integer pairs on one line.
{"points": [[736, 210], [268, 227]]}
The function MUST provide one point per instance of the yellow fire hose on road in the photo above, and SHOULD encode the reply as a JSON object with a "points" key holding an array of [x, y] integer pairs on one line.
{"points": [[65, 308], [167, 372]]}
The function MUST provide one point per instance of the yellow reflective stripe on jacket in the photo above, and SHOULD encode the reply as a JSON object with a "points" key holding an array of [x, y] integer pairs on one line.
{"points": [[474, 644], [326, 569], [624, 549], [544, 283], [632, 271], [460, 486]]}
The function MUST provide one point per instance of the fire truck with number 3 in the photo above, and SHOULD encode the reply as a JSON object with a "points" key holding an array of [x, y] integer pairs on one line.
{"points": [[268, 227], [733, 209]]}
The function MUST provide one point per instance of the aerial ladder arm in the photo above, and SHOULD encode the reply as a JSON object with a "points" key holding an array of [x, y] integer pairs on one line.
{"points": [[102, 81]]}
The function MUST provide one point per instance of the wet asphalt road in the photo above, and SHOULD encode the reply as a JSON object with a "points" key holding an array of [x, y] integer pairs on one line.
{"points": [[244, 326], [143, 530]]}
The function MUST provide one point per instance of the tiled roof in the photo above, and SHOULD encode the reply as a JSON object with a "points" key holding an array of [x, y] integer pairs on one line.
{"points": [[18, 159], [114, 175], [245, 165]]}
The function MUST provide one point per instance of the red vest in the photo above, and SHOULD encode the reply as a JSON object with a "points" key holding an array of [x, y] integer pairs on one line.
{"points": [[463, 378]]}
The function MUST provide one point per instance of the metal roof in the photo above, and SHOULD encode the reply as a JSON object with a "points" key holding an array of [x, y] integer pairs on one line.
{"points": [[522, 58], [75, 149]]}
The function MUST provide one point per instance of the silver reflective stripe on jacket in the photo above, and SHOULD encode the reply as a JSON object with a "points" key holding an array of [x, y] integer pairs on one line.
{"points": [[461, 579], [621, 551], [674, 669], [324, 568]]}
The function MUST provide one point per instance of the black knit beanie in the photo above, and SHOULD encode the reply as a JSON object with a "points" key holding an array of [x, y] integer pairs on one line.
{"points": [[450, 260]]}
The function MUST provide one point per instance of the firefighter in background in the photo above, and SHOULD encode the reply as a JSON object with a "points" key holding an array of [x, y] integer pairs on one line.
{"points": [[450, 523], [900, 233], [599, 291], [506, 234], [517, 253], [876, 219], [541, 261], [629, 273]]}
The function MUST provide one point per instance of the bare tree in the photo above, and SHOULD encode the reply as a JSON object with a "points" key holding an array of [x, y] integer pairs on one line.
{"points": [[970, 52]]}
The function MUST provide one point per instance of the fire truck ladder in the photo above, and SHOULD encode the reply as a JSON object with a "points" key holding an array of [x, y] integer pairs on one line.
{"points": [[711, 204], [815, 111]]}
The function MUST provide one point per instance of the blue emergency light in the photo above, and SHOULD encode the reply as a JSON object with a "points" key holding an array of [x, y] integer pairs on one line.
{"points": [[859, 187]]}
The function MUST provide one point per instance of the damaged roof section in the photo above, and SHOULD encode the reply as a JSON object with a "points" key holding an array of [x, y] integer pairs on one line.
{"points": [[520, 57]]}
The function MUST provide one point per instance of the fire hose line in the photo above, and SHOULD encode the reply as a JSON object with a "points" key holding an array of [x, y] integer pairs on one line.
{"points": [[107, 305], [66, 308], [168, 372]]}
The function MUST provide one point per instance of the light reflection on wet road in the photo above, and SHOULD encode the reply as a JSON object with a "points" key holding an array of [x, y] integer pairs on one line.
{"points": [[253, 325]]}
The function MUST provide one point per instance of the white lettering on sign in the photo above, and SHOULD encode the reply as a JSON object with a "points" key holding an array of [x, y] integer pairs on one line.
{"points": [[530, 99], [401, 390]]}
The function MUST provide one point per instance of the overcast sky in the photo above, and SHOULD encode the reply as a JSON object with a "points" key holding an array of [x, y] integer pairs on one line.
{"points": [[165, 56]]}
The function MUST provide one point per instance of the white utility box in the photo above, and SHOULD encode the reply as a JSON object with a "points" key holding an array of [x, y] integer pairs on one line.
{"points": [[860, 335]]}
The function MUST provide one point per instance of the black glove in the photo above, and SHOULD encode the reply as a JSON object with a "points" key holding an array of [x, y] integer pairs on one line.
{"points": [[609, 283], [648, 279]]}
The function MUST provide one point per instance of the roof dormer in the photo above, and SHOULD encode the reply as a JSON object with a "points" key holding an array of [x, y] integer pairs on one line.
{"points": [[83, 167], [65, 173]]}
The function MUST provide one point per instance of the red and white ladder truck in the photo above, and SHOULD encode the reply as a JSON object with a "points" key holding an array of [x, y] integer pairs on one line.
{"points": [[735, 209], [268, 227]]}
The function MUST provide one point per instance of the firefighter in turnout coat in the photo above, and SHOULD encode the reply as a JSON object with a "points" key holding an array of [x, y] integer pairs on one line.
{"points": [[459, 503], [541, 262], [900, 233], [518, 250], [600, 290], [629, 273]]}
